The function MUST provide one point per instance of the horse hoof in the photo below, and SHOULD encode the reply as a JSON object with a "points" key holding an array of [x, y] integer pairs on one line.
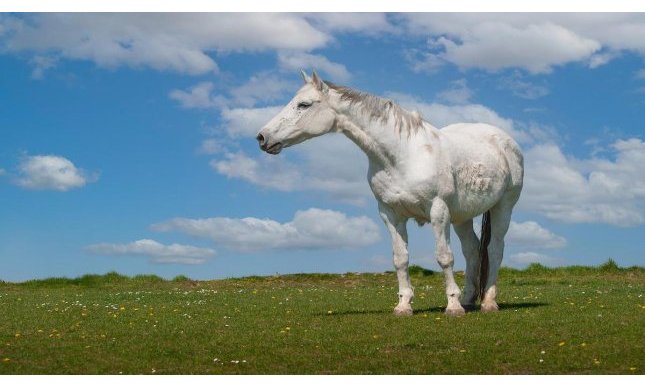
{"points": [[455, 312], [488, 308], [403, 311]]}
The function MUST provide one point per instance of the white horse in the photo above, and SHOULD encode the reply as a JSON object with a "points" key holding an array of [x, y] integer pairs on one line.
{"points": [[418, 171]]}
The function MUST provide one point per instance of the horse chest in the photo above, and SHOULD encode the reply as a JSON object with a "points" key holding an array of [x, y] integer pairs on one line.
{"points": [[404, 200]]}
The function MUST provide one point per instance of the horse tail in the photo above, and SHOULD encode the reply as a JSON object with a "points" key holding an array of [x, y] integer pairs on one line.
{"points": [[483, 254]]}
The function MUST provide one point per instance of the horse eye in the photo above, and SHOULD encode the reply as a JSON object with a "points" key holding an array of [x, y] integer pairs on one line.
{"points": [[304, 105]]}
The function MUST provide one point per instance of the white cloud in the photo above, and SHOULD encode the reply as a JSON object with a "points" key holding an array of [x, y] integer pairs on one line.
{"points": [[640, 74], [370, 23], [197, 97], [534, 42], [178, 42], [536, 48], [49, 172], [185, 42], [524, 259], [210, 146], [2, 171], [422, 61], [441, 115], [310, 229], [41, 63], [531, 235], [267, 171], [262, 87], [330, 164], [247, 122], [595, 190], [602, 58], [308, 62], [459, 93], [157, 252]]}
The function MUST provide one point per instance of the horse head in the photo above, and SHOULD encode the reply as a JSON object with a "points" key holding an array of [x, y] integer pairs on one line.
{"points": [[309, 114]]}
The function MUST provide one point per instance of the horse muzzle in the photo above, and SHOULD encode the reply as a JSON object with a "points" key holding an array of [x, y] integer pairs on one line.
{"points": [[265, 145]]}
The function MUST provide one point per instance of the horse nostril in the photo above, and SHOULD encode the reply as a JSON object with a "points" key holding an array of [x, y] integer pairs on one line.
{"points": [[260, 139]]}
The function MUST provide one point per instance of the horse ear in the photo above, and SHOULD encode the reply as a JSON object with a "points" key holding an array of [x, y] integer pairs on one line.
{"points": [[304, 76], [319, 83]]}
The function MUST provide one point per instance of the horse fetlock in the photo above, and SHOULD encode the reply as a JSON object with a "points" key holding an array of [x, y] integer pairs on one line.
{"points": [[452, 291], [406, 295], [490, 295]]}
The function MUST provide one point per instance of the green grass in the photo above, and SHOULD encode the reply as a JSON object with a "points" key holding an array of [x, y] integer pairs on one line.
{"points": [[576, 320]]}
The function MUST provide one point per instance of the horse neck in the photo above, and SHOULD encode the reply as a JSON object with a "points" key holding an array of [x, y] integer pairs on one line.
{"points": [[384, 145]]}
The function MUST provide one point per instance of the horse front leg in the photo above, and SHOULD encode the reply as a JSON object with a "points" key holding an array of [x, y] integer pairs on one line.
{"points": [[440, 219], [398, 231]]}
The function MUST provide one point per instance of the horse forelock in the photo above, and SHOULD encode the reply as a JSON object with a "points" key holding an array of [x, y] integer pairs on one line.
{"points": [[380, 109]]}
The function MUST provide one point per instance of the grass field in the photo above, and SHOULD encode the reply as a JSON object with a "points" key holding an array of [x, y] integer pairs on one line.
{"points": [[552, 321]]}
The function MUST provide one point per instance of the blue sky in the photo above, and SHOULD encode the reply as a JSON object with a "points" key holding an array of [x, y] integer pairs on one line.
{"points": [[127, 140]]}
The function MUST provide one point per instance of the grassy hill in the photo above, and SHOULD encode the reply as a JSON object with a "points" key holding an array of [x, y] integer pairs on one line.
{"points": [[576, 320]]}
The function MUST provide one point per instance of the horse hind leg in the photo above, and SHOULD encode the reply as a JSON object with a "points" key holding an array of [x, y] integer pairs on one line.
{"points": [[500, 219], [469, 247]]}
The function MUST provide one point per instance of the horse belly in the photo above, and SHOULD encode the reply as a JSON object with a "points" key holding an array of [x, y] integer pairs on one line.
{"points": [[478, 187]]}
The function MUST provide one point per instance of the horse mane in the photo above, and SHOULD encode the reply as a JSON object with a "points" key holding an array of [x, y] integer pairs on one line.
{"points": [[380, 109]]}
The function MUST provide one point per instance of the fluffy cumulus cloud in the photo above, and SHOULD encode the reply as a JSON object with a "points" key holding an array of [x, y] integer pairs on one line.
{"points": [[459, 93], [261, 88], [297, 61], [330, 164], [594, 190], [369, 23], [531, 235], [162, 41], [210, 146], [310, 229], [534, 42], [265, 171], [197, 97], [247, 122], [155, 251], [49, 172], [185, 42], [440, 114]]}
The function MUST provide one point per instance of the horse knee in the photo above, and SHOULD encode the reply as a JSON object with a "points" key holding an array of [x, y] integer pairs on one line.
{"points": [[445, 260], [400, 262]]}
